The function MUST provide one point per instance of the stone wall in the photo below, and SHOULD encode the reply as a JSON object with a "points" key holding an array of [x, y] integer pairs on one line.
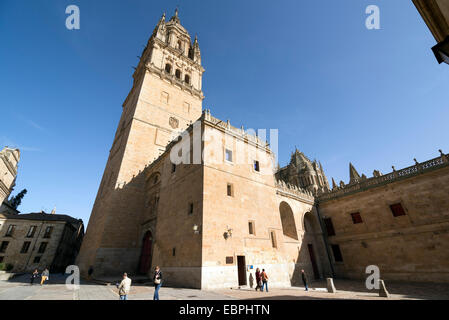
{"points": [[412, 247]]}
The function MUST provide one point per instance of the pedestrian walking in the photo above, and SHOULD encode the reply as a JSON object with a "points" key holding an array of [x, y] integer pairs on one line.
{"points": [[45, 276], [90, 272], [34, 276], [124, 287], [264, 280], [258, 280], [157, 279], [304, 279]]}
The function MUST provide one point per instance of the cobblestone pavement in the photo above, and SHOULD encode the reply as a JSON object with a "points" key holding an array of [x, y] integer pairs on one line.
{"points": [[20, 289]]}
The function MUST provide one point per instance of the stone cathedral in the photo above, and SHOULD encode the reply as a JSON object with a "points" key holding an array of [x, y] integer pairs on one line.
{"points": [[210, 223]]}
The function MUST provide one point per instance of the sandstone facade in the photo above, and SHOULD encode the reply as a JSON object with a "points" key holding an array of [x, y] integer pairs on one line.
{"points": [[39, 240], [9, 160], [210, 207], [397, 221]]}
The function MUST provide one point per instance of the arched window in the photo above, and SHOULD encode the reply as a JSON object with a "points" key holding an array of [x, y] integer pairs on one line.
{"points": [[187, 79], [179, 45], [178, 73], [288, 221], [168, 68]]}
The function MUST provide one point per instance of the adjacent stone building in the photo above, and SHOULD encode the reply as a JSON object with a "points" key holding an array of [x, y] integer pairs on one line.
{"points": [[397, 221], [210, 207], [39, 240], [9, 160]]}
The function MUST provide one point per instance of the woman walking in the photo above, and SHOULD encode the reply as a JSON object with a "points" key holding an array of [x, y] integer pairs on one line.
{"points": [[45, 276], [258, 280], [157, 279]]}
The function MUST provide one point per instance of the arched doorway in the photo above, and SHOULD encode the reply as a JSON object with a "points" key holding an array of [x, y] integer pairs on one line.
{"points": [[288, 221], [145, 256]]}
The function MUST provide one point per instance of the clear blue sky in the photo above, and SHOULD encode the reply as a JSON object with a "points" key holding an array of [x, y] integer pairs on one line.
{"points": [[334, 89]]}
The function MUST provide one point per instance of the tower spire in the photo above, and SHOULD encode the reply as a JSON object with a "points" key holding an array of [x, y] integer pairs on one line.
{"points": [[353, 174], [334, 185]]}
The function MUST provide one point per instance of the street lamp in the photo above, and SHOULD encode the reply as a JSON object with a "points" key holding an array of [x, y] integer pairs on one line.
{"points": [[441, 51]]}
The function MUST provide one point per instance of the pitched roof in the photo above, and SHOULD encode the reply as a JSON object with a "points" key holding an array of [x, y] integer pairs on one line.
{"points": [[42, 216]]}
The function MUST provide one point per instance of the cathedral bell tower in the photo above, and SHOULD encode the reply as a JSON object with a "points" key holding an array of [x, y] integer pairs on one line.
{"points": [[166, 97]]}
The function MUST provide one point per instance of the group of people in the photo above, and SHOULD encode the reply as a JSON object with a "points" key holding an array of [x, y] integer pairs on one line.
{"points": [[125, 285], [262, 280], [45, 276]]}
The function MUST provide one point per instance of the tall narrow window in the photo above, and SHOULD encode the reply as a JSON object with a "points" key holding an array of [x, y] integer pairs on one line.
{"points": [[48, 232], [397, 210], [356, 217], [230, 190], [42, 247], [10, 230], [31, 232], [228, 155], [337, 253], [178, 73], [329, 227], [174, 252], [3, 246], [173, 167], [37, 259], [256, 166], [273, 239], [191, 208], [187, 79], [168, 68], [25, 247], [251, 228]]}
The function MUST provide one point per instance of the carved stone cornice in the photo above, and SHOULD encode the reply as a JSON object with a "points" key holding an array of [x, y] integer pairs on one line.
{"points": [[396, 175]]}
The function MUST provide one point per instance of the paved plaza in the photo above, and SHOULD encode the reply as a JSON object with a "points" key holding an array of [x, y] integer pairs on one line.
{"points": [[19, 288]]}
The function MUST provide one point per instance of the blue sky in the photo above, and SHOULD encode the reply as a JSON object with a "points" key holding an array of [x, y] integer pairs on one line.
{"points": [[336, 90]]}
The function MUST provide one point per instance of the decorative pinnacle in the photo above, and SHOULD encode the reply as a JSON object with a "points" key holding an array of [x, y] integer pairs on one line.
{"points": [[441, 152], [416, 161], [393, 168]]}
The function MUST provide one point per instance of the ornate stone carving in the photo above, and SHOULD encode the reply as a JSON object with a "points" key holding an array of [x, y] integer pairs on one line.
{"points": [[173, 122]]}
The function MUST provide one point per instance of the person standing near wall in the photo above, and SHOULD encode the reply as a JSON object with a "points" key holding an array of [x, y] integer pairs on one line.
{"points": [[304, 279], [157, 279]]}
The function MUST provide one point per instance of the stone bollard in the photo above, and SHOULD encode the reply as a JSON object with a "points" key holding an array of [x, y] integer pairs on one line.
{"points": [[382, 290], [330, 285]]}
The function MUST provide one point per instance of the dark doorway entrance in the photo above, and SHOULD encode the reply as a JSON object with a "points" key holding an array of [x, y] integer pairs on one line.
{"points": [[316, 274], [145, 256], [241, 267]]}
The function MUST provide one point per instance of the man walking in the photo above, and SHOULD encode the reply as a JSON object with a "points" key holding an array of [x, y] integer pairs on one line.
{"points": [[124, 287], [34, 276], [304, 279], [264, 280]]}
